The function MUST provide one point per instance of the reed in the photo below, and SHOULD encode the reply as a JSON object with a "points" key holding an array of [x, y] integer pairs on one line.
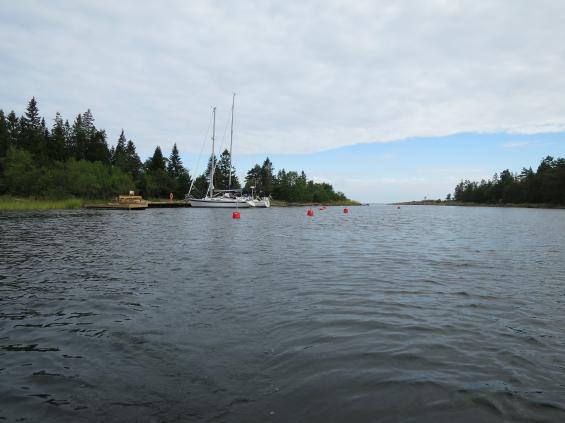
{"points": [[22, 204]]}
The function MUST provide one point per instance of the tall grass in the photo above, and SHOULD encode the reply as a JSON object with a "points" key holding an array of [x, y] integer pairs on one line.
{"points": [[15, 204]]}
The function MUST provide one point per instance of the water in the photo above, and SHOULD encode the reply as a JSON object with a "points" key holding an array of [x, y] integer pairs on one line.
{"points": [[427, 314]]}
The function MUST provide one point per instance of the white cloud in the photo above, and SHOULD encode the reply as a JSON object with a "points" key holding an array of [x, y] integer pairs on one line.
{"points": [[310, 75]]}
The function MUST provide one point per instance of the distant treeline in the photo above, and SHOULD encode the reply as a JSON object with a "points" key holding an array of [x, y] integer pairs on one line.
{"points": [[74, 160], [545, 185]]}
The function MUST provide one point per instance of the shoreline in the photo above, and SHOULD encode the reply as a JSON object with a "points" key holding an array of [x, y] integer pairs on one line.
{"points": [[8, 203], [464, 204]]}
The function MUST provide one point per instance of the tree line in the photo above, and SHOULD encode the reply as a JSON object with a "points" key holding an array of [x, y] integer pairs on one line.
{"points": [[74, 160], [546, 185]]}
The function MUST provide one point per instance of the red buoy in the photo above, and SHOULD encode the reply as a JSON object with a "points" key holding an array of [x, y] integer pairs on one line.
{"points": [[346, 210], [236, 215], [310, 213]]}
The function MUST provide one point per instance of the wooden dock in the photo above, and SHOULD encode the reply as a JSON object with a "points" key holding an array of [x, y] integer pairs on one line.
{"points": [[136, 202], [117, 206], [168, 204]]}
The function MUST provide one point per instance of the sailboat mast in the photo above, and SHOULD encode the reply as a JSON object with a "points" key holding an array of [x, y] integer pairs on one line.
{"points": [[212, 164], [231, 139]]}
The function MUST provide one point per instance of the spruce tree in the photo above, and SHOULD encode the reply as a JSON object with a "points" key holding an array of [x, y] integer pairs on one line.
{"points": [[267, 176], [68, 138], [97, 148], [119, 158], [253, 178], [224, 167], [157, 162], [175, 167], [133, 162], [14, 129], [56, 148], [178, 173], [78, 139], [4, 135], [32, 114]]}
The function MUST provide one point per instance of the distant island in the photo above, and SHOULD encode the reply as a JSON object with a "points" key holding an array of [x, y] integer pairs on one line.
{"points": [[544, 187], [58, 166]]}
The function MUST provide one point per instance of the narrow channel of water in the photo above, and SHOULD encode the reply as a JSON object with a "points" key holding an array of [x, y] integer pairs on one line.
{"points": [[423, 314]]}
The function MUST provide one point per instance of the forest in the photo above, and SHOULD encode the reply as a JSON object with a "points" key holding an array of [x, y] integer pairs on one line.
{"points": [[74, 160], [545, 185]]}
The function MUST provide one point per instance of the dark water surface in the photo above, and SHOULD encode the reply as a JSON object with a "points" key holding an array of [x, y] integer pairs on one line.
{"points": [[423, 314]]}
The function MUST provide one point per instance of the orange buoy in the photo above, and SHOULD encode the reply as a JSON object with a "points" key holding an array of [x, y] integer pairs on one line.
{"points": [[236, 215], [346, 210], [310, 213]]}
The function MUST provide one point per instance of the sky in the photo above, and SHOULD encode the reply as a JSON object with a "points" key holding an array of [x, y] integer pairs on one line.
{"points": [[386, 100]]}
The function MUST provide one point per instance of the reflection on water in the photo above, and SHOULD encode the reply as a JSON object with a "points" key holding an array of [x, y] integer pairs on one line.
{"points": [[421, 314]]}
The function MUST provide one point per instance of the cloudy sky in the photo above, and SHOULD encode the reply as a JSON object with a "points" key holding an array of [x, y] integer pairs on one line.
{"points": [[387, 100]]}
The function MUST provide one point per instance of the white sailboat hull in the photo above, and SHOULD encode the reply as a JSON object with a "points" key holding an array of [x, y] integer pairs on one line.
{"points": [[220, 203], [262, 203]]}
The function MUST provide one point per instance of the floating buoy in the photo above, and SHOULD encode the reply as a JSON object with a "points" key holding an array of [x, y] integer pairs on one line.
{"points": [[398, 207], [236, 215], [310, 213], [346, 210]]}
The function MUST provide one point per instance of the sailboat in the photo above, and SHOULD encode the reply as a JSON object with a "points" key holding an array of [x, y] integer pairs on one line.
{"points": [[231, 198], [260, 201]]}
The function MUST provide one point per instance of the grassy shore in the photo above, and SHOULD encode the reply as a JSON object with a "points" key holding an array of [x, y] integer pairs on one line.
{"points": [[465, 204], [22, 204]]}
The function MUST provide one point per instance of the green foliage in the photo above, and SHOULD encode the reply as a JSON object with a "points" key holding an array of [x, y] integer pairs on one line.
{"points": [[222, 173], [180, 178], [261, 177], [4, 135], [547, 185], [23, 178], [290, 186], [75, 161], [157, 162]]}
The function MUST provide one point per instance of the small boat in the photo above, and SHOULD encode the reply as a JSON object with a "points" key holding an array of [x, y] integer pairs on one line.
{"points": [[261, 202]]}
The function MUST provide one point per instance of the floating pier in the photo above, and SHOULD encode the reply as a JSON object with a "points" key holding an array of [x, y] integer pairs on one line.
{"points": [[136, 202], [168, 204]]}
